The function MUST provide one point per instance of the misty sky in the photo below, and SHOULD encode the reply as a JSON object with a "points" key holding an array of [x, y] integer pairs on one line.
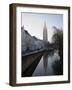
{"points": [[34, 23]]}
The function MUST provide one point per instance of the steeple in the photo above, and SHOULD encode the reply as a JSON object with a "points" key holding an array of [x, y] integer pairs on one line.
{"points": [[45, 34], [44, 24]]}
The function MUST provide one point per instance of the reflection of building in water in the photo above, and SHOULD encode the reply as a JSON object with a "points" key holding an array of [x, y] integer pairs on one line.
{"points": [[45, 35], [45, 61], [45, 39]]}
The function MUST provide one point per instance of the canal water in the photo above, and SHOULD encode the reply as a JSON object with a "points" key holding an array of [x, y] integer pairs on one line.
{"points": [[49, 65]]}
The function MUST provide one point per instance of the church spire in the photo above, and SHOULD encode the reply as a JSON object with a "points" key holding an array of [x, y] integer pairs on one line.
{"points": [[44, 24], [45, 35]]}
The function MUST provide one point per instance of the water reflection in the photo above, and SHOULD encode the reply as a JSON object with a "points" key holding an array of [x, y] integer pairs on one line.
{"points": [[50, 64], [45, 61], [43, 64]]}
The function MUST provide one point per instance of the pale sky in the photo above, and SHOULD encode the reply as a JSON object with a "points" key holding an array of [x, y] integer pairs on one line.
{"points": [[34, 23]]}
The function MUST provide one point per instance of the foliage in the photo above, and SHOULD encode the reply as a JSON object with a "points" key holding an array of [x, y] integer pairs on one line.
{"points": [[58, 43], [58, 40]]}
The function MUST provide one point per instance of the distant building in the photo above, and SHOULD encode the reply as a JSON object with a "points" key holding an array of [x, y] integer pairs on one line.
{"points": [[45, 34], [22, 28]]}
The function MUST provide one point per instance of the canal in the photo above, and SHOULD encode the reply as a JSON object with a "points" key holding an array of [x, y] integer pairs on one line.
{"points": [[43, 64]]}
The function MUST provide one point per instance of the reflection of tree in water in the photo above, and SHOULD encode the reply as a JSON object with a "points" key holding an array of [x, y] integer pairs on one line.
{"points": [[58, 66], [45, 61]]}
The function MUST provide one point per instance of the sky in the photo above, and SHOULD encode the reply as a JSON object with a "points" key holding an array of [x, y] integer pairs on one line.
{"points": [[34, 23]]}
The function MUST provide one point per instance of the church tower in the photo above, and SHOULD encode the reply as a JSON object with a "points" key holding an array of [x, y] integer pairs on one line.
{"points": [[45, 34]]}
